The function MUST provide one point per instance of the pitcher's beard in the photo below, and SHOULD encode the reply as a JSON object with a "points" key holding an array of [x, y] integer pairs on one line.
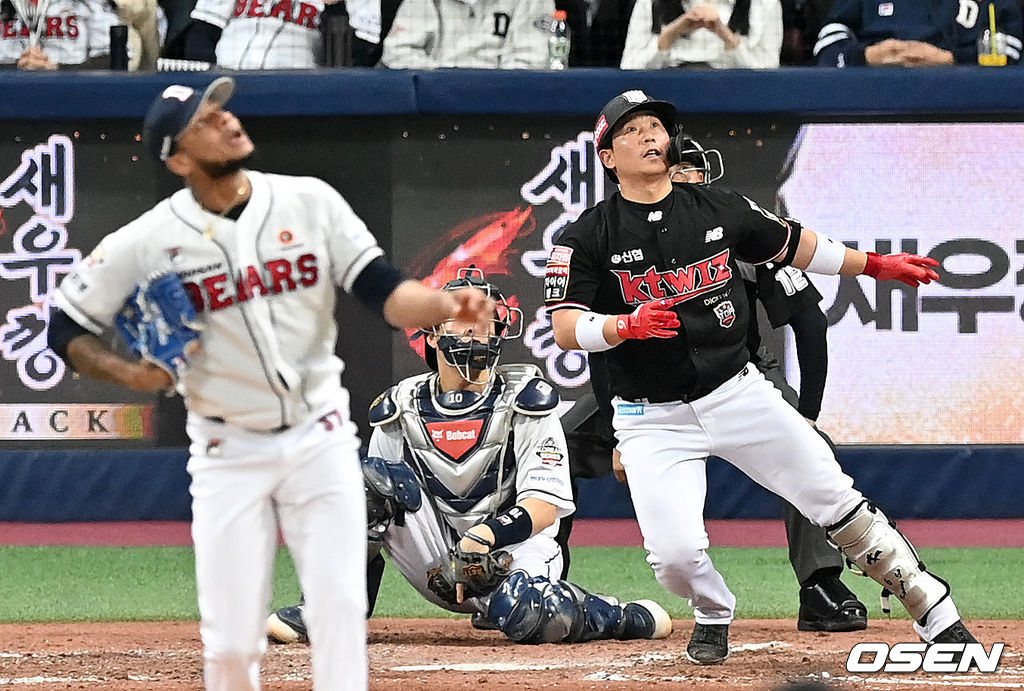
{"points": [[223, 169]]}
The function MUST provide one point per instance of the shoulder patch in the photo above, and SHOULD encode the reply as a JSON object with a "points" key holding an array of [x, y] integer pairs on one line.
{"points": [[537, 397], [383, 409]]}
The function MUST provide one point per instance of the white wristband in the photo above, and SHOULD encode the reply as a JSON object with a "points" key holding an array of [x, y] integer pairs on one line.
{"points": [[590, 332], [828, 256]]}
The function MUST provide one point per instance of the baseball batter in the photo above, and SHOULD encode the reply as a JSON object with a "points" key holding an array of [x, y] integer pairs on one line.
{"points": [[650, 275], [272, 444], [486, 446]]}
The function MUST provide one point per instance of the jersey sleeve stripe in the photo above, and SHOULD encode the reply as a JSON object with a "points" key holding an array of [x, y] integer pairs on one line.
{"points": [[357, 266], [78, 314], [789, 235], [568, 305]]}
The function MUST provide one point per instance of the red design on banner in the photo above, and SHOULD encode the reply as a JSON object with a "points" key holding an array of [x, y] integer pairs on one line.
{"points": [[457, 437]]}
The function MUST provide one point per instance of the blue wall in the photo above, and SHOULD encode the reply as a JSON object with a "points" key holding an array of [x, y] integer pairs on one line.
{"points": [[801, 91]]}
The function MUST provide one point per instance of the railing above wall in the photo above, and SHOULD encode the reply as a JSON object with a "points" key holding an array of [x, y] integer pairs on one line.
{"points": [[799, 91]]}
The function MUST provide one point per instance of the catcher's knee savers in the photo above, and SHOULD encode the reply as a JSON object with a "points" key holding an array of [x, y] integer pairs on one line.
{"points": [[392, 489], [872, 543], [538, 610]]}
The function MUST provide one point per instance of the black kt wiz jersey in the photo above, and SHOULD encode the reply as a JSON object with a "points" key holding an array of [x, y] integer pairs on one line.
{"points": [[620, 254]]}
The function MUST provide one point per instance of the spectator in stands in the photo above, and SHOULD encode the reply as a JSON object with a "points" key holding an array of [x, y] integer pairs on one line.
{"points": [[371, 21], [911, 33], [717, 34], [801, 22], [259, 34], [72, 34], [495, 34], [141, 18], [597, 31]]}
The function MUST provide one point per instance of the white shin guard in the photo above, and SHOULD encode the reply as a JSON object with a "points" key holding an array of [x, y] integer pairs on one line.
{"points": [[877, 548]]}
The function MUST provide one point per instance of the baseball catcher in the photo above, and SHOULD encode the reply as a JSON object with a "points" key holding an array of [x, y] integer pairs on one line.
{"points": [[485, 448]]}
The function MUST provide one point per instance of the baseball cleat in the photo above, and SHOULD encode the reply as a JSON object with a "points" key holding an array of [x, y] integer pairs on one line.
{"points": [[286, 626], [644, 619], [956, 633], [482, 623], [709, 644], [829, 605]]}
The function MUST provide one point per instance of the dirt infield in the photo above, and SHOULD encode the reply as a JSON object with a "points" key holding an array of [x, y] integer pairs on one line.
{"points": [[449, 654]]}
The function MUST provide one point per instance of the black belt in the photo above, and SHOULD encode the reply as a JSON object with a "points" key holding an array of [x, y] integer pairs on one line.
{"points": [[221, 421], [692, 395]]}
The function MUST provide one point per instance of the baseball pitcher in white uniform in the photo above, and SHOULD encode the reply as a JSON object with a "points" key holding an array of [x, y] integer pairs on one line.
{"points": [[484, 450], [272, 443]]}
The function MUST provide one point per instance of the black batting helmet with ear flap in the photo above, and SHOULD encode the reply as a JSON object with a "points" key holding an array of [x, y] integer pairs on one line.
{"points": [[627, 103]]}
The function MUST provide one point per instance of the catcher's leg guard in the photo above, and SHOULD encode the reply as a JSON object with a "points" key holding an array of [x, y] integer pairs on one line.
{"points": [[872, 543], [537, 610]]}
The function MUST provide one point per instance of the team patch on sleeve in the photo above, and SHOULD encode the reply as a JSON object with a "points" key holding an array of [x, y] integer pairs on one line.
{"points": [[550, 453], [556, 278]]}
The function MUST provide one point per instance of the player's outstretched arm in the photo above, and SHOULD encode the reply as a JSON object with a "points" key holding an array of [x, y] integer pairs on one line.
{"points": [[414, 305], [92, 357], [821, 254]]}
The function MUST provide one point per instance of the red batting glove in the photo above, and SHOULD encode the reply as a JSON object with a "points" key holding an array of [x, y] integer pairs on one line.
{"points": [[912, 269], [653, 319]]}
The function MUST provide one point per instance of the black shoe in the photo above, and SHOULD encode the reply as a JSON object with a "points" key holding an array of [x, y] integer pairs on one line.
{"points": [[709, 644], [956, 633], [644, 619], [286, 626], [828, 605], [482, 623]]}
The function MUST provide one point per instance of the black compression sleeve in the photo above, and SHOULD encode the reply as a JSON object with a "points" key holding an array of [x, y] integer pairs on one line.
{"points": [[61, 331], [375, 283], [809, 328]]}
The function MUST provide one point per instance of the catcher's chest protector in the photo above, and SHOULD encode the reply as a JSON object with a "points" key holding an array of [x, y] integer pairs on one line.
{"points": [[465, 458]]}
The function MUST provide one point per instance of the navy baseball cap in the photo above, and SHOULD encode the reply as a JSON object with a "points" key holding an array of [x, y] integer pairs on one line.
{"points": [[175, 109], [625, 104]]}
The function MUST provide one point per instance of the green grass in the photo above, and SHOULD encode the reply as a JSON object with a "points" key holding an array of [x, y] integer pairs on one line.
{"points": [[158, 583]]}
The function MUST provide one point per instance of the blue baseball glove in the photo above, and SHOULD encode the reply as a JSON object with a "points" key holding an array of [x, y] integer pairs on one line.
{"points": [[159, 323]]}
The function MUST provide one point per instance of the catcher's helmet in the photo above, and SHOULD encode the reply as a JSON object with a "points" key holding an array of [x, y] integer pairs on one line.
{"points": [[627, 103], [462, 350], [687, 150]]}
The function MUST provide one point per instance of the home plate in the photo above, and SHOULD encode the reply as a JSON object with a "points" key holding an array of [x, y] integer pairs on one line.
{"points": [[477, 667]]}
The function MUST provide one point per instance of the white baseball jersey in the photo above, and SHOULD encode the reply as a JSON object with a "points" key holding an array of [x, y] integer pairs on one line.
{"points": [[264, 288], [74, 31], [474, 462], [760, 48], [265, 34], [488, 34]]}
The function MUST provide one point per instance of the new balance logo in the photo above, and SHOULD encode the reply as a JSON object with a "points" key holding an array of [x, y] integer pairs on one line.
{"points": [[654, 217], [714, 234]]}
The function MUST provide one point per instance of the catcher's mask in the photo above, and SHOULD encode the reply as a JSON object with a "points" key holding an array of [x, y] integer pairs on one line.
{"points": [[468, 352], [694, 157]]}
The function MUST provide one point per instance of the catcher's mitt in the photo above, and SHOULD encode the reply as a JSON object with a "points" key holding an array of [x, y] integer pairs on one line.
{"points": [[159, 323], [468, 574]]}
